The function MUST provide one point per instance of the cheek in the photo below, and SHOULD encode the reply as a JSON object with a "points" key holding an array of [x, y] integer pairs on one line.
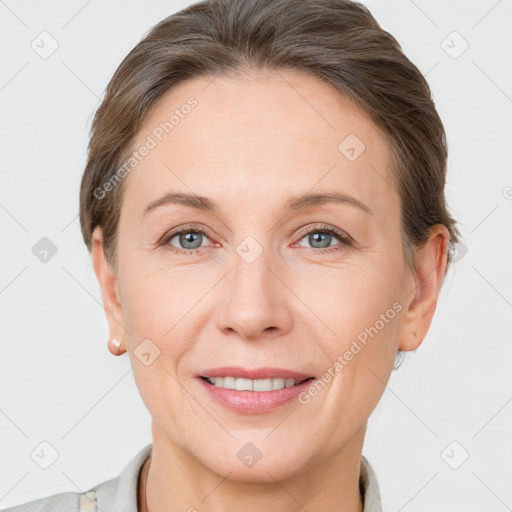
{"points": [[365, 317], [164, 306], [360, 312], [160, 302], [349, 298], [155, 309]]}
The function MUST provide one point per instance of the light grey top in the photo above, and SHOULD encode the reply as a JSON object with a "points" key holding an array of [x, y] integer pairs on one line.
{"points": [[119, 494]]}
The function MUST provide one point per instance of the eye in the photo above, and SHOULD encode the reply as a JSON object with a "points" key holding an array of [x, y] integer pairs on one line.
{"points": [[321, 238], [189, 240]]}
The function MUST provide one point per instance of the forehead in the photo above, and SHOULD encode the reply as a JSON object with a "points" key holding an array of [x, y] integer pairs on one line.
{"points": [[260, 137]]}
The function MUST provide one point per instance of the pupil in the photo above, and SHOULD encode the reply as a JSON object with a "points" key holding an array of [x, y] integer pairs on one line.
{"points": [[318, 236], [188, 238]]}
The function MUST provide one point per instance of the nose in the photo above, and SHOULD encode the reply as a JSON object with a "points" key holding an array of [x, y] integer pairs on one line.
{"points": [[257, 300]]}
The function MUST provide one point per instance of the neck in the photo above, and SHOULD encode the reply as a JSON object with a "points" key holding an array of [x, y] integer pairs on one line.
{"points": [[177, 481]]}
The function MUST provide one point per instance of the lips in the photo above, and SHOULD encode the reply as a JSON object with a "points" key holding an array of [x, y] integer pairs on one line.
{"points": [[256, 391], [254, 374]]}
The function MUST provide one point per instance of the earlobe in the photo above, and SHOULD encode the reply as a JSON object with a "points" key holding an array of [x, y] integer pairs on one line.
{"points": [[422, 298], [115, 346]]}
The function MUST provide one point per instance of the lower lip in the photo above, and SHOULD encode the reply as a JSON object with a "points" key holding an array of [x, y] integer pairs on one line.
{"points": [[254, 402]]}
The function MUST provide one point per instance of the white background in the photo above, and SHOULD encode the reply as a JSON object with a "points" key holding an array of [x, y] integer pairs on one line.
{"points": [[60, 384]]}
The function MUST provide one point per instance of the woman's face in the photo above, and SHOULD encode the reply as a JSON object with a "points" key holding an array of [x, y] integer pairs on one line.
{"points": [[255, 281]]}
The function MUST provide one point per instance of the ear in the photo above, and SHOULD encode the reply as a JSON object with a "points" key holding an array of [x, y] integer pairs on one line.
{"points": [[424, 287], [107, 280]]}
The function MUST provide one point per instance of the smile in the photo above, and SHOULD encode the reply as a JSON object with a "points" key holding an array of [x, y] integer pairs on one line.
{"points": [[259, 385]]}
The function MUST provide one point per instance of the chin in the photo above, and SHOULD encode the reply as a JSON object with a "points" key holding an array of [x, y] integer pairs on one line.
{"points": [[258, 462]]}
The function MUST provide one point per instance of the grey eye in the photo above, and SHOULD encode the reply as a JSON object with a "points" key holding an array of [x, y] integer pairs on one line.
{"points": [[189, 239], [322, 239], [319, 239]]}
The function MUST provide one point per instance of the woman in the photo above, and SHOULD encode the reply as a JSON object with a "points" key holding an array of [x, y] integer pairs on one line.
{"points": [[264, 206]]}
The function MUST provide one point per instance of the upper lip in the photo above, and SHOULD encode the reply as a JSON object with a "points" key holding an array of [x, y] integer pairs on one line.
{"points": [[254, 374]]}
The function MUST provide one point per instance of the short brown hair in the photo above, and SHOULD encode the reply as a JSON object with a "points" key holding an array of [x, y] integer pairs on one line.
{"points": [[337, 41]]}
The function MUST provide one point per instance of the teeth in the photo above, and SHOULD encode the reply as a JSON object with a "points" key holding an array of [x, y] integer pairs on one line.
{"points": [[251, 385]]}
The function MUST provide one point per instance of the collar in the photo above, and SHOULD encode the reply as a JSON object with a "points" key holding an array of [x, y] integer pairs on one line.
{"points": [[369, 487]]}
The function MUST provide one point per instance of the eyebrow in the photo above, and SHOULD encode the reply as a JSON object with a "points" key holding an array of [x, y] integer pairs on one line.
{"points": [[301, 202]]}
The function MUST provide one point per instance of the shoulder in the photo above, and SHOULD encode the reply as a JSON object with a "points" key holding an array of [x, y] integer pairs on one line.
{"points": [[65, 501], [115, 495]]}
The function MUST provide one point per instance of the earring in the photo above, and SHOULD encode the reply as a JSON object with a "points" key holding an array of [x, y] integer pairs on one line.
{"points": [[117, 344], [400, 355]]}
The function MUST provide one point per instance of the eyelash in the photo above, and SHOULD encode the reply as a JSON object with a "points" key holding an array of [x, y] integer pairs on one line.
{"points": [[328, 230]]}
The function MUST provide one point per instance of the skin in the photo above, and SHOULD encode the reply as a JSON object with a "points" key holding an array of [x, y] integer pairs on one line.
{"points": [[250, 144]]}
